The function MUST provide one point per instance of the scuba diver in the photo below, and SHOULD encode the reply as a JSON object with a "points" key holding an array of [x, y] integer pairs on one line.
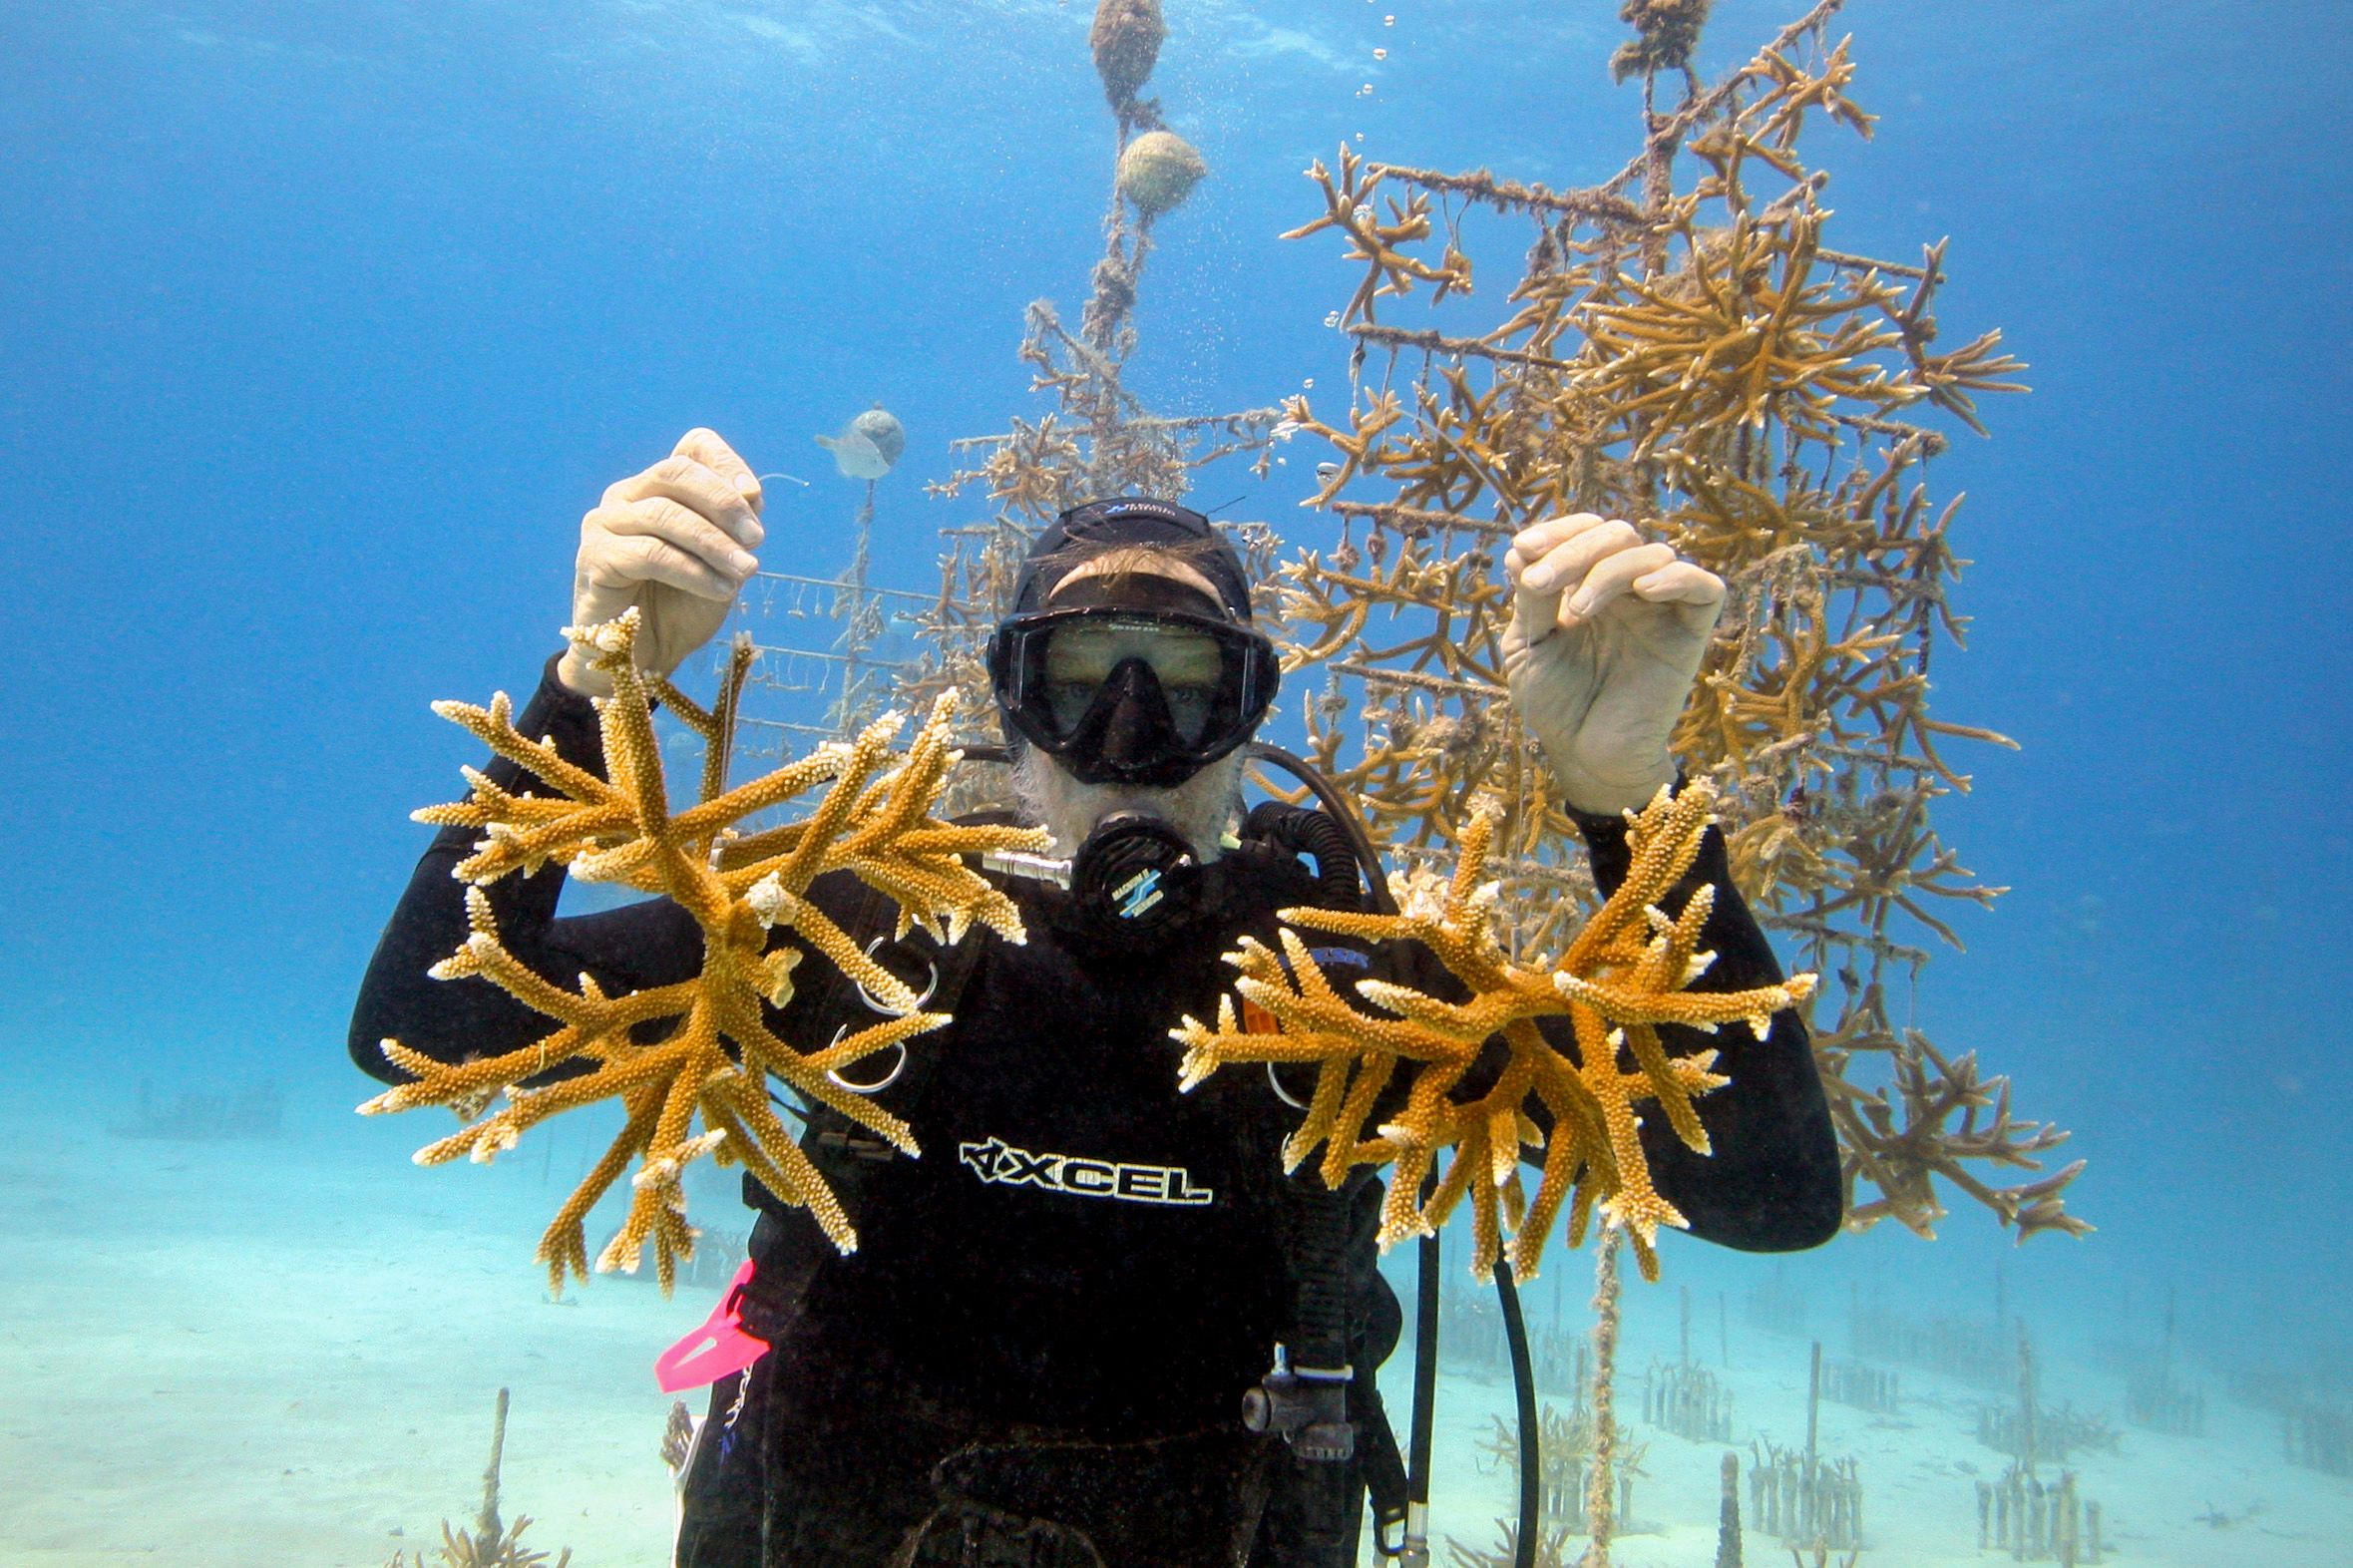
{"points": [[1052, 1344]]}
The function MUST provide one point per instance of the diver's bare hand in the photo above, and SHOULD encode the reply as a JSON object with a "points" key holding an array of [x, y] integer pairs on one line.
{"points": [[676, 541], [1607, 632]]}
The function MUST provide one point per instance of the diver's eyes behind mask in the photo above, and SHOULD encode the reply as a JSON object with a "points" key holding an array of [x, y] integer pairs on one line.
{"points": [[1082, 656], [1133, 696]]}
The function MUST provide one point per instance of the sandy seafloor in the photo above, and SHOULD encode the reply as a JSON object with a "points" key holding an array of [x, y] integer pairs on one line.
{"points": [[286, 1353]]}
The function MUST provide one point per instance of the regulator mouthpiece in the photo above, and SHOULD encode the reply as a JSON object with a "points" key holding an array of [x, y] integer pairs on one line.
{"points": [[1121, 873]]}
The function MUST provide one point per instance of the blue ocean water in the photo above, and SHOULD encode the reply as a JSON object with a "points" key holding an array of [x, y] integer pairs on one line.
{"points": [[323, 326]]}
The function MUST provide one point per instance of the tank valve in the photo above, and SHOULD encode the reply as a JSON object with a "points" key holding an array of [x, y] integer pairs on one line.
{"points": [[1307, 1406]]}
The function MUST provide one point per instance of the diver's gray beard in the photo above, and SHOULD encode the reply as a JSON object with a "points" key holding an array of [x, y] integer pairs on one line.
{"points": [[1203, 808]]}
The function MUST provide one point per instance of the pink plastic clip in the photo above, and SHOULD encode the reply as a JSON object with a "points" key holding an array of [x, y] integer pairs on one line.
{"points": [[716, 1349]]}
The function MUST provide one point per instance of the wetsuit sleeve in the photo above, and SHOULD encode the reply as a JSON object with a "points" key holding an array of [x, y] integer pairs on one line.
{"points": [[1771, 1183], [628, 949]]}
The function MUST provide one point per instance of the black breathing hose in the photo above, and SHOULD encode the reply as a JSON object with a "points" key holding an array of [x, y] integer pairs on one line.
{"points": [[1340, 810], [1428, 1260], [1523, 1394], [1303, 829]]}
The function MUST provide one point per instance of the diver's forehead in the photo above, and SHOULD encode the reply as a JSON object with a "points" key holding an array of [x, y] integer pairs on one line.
{"points": [[1128, 564]]}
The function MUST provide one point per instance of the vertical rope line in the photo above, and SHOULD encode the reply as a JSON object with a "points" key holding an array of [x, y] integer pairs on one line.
{"points": [[1599, 1488]]}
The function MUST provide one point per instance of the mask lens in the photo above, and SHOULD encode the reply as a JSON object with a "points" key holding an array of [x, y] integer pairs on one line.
{"points": [[1189, 667]]}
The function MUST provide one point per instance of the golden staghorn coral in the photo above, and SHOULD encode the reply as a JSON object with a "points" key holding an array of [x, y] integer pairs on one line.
{"points": [[1625, 974], [874, 820]]}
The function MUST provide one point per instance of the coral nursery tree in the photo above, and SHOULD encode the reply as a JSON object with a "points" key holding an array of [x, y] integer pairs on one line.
{"points": [[1099, 439], [1684, 345]]}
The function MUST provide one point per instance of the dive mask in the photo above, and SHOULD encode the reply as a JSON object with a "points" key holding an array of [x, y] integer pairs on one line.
{"points": [[1122, 696]]}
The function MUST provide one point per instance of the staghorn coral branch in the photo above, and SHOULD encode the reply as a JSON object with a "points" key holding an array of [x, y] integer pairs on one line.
{"points": [[874, 821], [1511, 196], [1438, 343], [1624, 973]]}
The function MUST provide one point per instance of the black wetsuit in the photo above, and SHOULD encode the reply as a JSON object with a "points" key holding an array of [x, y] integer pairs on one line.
{"points": [[1085, 1264]]}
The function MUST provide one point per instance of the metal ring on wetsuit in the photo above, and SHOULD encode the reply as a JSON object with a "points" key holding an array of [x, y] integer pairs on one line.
{"points": [[1281, 1093], [929, 986], [834, 1076]]}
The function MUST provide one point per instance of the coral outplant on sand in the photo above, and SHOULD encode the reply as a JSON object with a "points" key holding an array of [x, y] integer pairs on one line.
{"points": [[491, 1543]]}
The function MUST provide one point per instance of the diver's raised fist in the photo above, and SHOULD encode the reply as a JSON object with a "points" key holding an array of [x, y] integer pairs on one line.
{"points": [[1607, 632], [676, 541]]}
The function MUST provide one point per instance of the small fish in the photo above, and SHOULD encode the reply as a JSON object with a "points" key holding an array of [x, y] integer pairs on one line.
{"points": [[1326, 470], [868, 445]]}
